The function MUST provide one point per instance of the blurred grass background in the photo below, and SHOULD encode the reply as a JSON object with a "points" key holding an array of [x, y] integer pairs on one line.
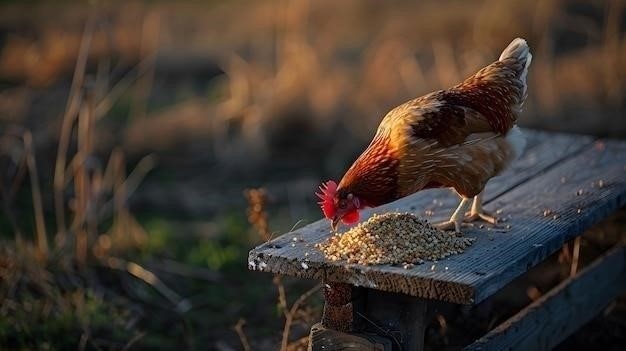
{"points": [[129, 131]]}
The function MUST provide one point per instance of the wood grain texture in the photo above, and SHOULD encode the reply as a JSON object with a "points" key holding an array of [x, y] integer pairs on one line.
{"points": [[549, 320], [548, 175]]}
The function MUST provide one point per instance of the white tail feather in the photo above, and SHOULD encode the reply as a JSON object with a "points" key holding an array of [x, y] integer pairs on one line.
{"points": [[519, 50]]}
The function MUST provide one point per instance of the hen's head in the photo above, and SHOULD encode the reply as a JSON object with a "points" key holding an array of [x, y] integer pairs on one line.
{"points": [[338, 205]]}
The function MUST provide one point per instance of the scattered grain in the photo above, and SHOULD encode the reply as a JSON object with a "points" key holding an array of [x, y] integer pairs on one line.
{"points": [[393, 238]]}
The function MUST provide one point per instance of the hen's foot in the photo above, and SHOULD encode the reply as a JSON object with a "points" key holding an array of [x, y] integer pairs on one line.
{"points": [[480, 216], [477, 213], [449, 225], [456, 220]]}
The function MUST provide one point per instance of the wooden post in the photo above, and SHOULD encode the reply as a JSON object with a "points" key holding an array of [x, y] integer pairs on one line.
{"points": [[335, 332], [338, 310]]}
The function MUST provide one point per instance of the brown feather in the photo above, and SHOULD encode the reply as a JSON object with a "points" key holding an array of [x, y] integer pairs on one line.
{"points": [[373, 176]]}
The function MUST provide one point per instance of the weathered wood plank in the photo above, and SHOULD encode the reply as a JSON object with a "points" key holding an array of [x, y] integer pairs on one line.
{"points": [[578, 194], [467, 274], [549, 320]]}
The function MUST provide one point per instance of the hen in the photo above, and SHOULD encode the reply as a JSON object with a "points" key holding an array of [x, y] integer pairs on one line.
{"points": [[459, 138]]}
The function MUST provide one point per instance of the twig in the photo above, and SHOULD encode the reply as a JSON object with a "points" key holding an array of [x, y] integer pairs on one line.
{"points": [[145, 165], [133, 340], [292, 312], [71, 112], [242, 335], [123, 85], [76, 163], [42, 240], [257, 199], [82, 343], [296, 224], [126, 189], [575, 256], [282, 297], [385, 331], [148, 44], [181, 269], [17, 179], [151, 279], [83, 183]]}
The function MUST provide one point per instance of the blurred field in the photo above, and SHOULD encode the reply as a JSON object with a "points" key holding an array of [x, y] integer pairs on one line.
{"points": [[145, 121]]}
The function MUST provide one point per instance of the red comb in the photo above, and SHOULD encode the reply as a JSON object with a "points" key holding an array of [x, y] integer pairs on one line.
{"points": [[326, 195]]}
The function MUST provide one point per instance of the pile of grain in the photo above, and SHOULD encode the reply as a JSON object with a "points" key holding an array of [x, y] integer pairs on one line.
{"points": [[393, 238]]}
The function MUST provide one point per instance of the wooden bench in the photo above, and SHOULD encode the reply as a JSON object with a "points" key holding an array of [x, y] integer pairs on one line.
{"points": [[561, 186]]}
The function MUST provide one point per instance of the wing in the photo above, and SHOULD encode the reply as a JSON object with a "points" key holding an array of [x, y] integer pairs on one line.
{"points": [[442, 144], [432, 118]]}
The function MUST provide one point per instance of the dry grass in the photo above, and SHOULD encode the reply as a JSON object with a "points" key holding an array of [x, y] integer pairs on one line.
{"points": [[93, 223], [321, 67]]}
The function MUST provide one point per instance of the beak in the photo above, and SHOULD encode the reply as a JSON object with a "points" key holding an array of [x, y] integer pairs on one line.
{"points": [[335, 223]]}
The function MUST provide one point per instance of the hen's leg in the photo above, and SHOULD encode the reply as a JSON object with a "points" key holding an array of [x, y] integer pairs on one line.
{"points": [[477, 212], [457, 217]]}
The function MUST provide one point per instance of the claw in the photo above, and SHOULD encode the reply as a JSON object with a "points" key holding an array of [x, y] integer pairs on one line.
{"points": [[448, 225], [475, 216]]}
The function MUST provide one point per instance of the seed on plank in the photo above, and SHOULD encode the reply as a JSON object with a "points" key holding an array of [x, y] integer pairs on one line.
{"points": [[393, 238]]}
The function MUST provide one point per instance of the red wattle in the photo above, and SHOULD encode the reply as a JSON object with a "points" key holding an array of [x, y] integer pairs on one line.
{"points": [[351, 217]]}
